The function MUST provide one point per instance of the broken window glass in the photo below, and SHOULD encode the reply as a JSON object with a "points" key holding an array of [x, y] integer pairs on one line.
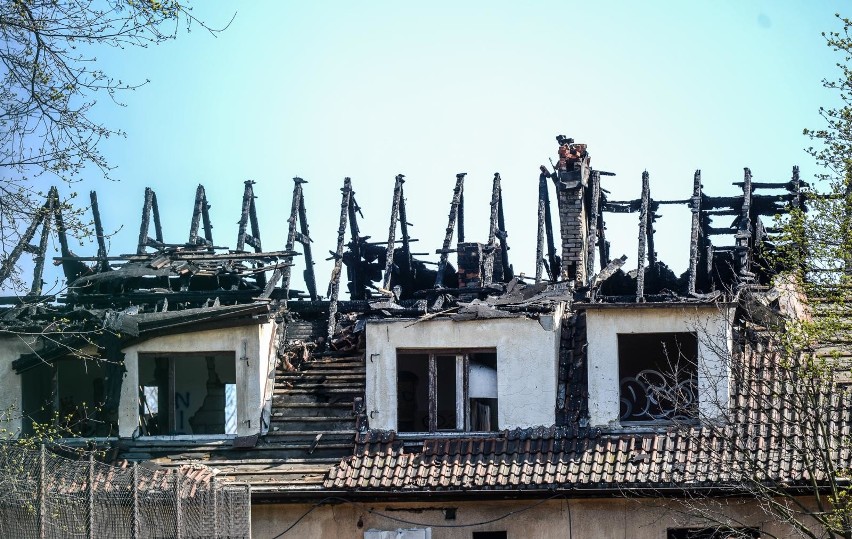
{"points": [[446, 391], [187, 394], [658, 375]]}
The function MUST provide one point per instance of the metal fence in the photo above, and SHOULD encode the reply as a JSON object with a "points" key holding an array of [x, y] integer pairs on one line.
{"points": [[44, 495]]}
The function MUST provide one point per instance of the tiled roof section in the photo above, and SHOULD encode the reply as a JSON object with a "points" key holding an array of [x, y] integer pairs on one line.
{"points": [[551, 458]]}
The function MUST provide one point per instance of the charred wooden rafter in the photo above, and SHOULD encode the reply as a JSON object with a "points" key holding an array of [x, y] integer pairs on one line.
{"points": [[695, 235], [545, 222], [201, 216], [149, 209], [103, 264], [502, 236], [248, 216], [745, 232], [456, 213], [298, 216], [334, 282], [489, 248], [593, 222], [397, 198], [643, 236]]}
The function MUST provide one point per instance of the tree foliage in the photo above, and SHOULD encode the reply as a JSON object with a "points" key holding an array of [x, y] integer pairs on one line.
{"points": [[785, 434], [50, 84]]}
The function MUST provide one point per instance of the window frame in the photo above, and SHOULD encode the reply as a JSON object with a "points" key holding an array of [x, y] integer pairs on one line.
{"points": [[462, 356], [171, 399], [692, 366]]}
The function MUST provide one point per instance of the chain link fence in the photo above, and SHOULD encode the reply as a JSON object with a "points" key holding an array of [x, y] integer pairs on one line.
{"points": [[44, 495]]}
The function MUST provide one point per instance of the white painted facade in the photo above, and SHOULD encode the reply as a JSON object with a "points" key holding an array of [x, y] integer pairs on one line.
{"points": [[11, 349], [253, 350], [252, 346], [711, 323], [527, 362]]}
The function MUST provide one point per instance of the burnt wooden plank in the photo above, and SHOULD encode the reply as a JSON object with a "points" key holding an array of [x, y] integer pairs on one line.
{"points": [[146, 220], [103, 265], [305, 239], [592, 222], [488, 263], [643, 236], [554, 263], [502, 236], [155, 213], [539, 251], [9, 263], [454, 217], [694, 238], [397, 195], [51, 213], [286, 272], [744, 233], [334, 284], [406, 238], [195, 222]]}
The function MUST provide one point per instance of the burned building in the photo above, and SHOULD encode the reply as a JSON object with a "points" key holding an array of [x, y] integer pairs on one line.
{"points": [[422, 398]]}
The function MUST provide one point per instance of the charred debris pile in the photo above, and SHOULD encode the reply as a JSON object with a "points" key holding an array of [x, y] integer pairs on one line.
{"points": [[172, 285]]}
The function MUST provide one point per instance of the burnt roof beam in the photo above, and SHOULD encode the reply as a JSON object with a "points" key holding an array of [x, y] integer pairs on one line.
{"points": [[248, 217], [149, 208], [397, 197], [23, 245], [334, 282], [103, 265], [695, 236], [455, 216], [201, 213], [643, 237], [488, 263], [744, 235], [593, 223], [502, 236]]}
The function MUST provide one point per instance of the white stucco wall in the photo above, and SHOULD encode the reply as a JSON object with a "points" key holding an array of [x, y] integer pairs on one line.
{"points": [[11, 349], [603, 324], [527, 361], [253, 342]]}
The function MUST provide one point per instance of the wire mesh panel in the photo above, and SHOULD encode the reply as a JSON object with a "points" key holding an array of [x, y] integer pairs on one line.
{"points": [[44, 496]]}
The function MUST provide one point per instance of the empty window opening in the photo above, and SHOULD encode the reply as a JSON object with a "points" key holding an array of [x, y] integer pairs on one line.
{"points": [[446, 391], [712, 533], [187, 394], [658, 375], [71, 395]]}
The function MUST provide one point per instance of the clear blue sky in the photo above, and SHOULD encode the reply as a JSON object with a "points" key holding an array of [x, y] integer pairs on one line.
{"points": [[324, 90]]}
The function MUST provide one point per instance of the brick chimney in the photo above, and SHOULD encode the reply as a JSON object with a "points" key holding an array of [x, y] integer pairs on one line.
{"points": [[571, 178]]}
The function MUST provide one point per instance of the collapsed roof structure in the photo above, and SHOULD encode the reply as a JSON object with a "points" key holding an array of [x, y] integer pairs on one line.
{"points": [[322, 428]]}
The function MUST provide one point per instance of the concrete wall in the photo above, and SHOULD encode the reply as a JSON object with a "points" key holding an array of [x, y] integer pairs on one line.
{"points": [[711, 324], [11, 349], [254, 343], [620, 518], [527, 352]]}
